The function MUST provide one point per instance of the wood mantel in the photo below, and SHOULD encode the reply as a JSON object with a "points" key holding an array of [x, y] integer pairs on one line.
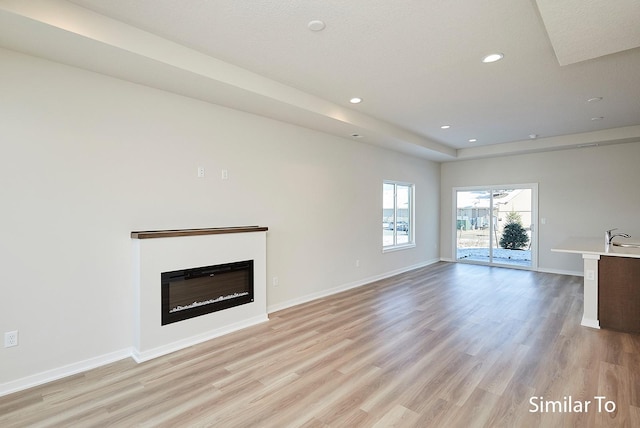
{"points": [[195, 232]]}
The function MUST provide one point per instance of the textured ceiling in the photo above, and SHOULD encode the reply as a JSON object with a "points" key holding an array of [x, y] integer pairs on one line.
{"points": [[416, 64], [585, 29]]}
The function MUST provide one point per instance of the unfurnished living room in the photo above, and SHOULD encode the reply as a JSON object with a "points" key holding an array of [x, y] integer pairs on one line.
{"points": [[320, 213]]}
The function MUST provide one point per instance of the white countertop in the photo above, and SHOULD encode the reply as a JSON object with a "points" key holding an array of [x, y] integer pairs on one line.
{"points": [[596, 246]]}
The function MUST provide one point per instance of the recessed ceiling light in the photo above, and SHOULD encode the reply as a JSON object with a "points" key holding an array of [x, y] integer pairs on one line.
{"points": [[594, 99], [533, 136], [597, 118], [445, 127], [473, 140], [357, 135], [316, 25], [355, 100], [492, 57]]}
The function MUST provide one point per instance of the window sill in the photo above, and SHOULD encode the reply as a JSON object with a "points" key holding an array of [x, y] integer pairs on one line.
{"points": [[397, 248]]}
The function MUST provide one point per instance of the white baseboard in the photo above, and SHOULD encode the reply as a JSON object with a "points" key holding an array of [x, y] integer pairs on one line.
{"points": [[64, 371], [81, 366], [92, 363], [140, 357], [345, 287], [588, 322], [561, 272]]}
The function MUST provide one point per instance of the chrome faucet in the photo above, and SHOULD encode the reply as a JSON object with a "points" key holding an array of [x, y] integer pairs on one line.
{"points": [[608, 237]]}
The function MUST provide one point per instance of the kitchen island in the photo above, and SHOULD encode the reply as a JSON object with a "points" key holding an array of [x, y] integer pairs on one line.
{"points": [[611, 283]]}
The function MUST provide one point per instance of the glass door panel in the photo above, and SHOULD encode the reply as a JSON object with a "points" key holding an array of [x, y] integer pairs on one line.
{"points": [[513, 234], [473, 225]]}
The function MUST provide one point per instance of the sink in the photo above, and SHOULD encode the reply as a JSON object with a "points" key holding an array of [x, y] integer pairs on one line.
{"points": [[621, 244]]}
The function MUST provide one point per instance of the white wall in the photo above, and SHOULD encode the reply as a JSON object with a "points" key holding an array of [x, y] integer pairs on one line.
{"points": [[582, 192], [86, 159]]}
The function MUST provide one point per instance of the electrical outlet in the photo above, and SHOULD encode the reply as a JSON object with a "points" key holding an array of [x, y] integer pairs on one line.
{"points": [[11, 339], [357, 263], [225, 174], [275, 281], [200, 172]]}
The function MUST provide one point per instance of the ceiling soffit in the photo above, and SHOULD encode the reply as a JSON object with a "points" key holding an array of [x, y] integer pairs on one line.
{"points": [[64, 32]]}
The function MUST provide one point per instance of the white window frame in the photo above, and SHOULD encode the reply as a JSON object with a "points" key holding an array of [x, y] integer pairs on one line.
{"points": [[411, 220]]}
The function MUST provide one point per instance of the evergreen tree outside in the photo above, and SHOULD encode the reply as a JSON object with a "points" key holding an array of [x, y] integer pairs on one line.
{"points": [[514, 236]]}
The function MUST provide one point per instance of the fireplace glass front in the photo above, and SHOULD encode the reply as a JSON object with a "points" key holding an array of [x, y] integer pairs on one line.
{"points": [[197, 291]]}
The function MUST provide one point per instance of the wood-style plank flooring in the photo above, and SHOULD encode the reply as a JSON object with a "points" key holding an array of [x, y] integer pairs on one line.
{"points": [[448, 345]]}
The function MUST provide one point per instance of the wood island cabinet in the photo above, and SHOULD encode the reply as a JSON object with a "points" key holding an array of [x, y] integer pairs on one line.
{"points": [[619, 293]]}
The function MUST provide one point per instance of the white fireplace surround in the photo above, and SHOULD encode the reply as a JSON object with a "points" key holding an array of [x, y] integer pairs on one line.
{"points": [[163, 251]]}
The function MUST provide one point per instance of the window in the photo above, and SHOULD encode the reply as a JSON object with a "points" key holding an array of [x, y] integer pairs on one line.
{"points": [[397, 215]]}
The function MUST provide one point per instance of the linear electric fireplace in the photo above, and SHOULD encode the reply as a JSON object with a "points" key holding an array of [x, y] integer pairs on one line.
{"points": [[197, 291], [171, 252]]}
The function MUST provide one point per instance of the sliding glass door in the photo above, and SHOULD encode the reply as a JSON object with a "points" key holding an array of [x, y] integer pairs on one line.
{"points": [[496, 225]]}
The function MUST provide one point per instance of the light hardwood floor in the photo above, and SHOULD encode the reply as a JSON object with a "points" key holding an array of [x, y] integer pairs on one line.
{"points": [[449, 345]]}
